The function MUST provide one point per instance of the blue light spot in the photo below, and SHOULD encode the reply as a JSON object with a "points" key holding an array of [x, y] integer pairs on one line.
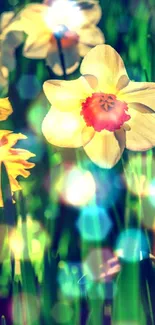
{"points": [[28, 86], [94, 224], [60, 31], [151, 196], [132, 243], [72, 281]]}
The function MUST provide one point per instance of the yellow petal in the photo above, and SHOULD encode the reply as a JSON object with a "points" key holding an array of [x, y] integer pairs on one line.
{"points": [[9, 22], [19, 167], [33, 8], [8, 139], [4, 133], [90, 12], [106, 64], [139, 92], [3, 80], [105, 148], [6, 17], [87, 134], [15, 154], [67, 95], [63, 129], [32, 19], [71, 59], [89, 37], [15, 186], [15, 159], [1, 199], [142, 133], [37, 46], [15, 169], [5, 108], [4, 72]]}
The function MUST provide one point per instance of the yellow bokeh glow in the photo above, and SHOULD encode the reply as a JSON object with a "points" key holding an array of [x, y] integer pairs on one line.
{"points": [[63, 12], [76, 186], [28, 240], [16, 243]]}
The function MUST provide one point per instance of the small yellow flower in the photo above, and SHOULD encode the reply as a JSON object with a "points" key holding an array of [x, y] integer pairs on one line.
{"points": [[14, 159], [74, 20], [103, 110]]}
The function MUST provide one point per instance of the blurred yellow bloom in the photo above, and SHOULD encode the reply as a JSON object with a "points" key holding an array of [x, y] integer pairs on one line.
{"points": [[103, 110], [14, 159], [73, 21], [10, 39]]}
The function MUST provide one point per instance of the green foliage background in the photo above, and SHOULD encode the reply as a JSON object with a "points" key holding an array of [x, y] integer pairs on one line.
{"points": [[129, 27]]}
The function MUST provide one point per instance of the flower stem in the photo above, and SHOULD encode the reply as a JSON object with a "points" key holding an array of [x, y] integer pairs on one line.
{"points": [[9, 207], [61, 55], [151, 40], [152, 60]]}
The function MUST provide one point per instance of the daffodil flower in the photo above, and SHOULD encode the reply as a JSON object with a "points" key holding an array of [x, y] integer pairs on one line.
{"points": [[72, 21], [103, 110], [14, 159]]}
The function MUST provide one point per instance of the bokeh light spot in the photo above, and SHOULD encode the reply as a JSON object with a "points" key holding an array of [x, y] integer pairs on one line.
{"points": [[101, 264], [152, 192], [130, 243], [109, 186], [75, 186], [69, 275], [62, 312], [94, 224], [16, 243], [28, 86], [36, 114], [65, 13], [28, 240]]}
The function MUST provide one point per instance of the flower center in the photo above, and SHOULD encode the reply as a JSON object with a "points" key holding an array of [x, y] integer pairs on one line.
{"points": [[67, 37], [104, 112]]}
